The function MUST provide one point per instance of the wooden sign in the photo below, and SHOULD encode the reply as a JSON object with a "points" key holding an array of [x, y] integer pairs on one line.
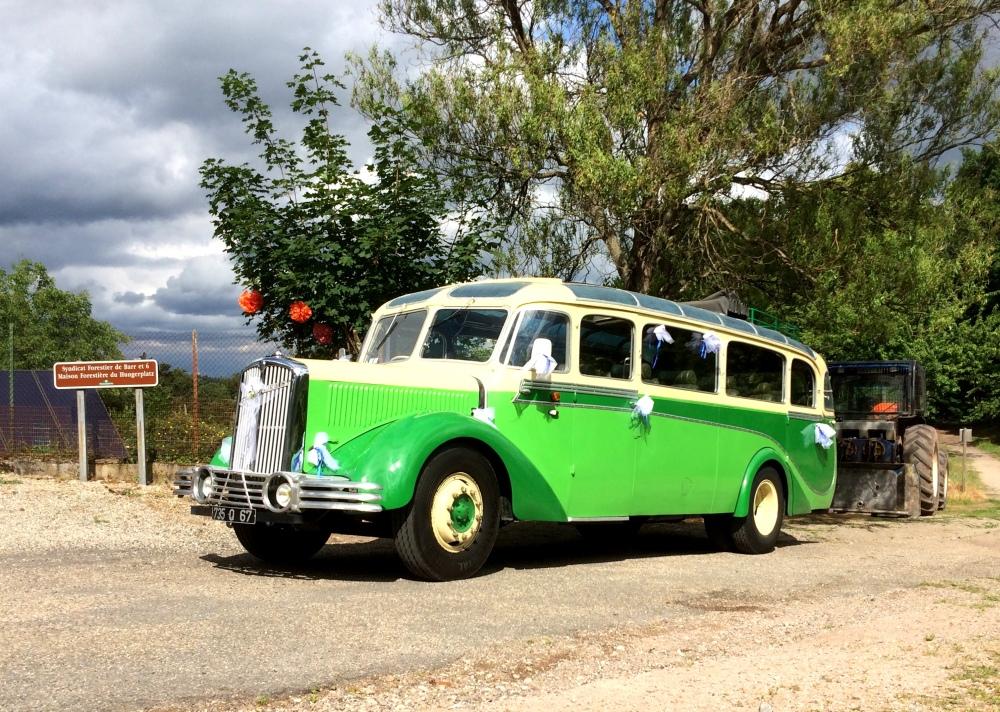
{"points": [[106, 374]]}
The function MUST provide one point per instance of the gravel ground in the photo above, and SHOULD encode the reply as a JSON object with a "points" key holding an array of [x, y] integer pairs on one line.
{"points": [[115, 598]]}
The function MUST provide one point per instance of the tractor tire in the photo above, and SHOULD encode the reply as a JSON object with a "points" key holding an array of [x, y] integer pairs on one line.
{"points": [[920, 449], [942, 478]]}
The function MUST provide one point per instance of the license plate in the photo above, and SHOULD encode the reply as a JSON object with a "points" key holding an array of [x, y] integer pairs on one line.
{"points": [[234, 515]]}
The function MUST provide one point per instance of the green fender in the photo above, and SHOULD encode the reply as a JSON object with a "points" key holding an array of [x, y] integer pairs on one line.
{"points": [[798, 501], [393, 454], [756, 462]]}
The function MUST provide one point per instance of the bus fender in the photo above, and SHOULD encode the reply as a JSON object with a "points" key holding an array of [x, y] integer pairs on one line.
{"points": [[394, 454], [763, 455]]}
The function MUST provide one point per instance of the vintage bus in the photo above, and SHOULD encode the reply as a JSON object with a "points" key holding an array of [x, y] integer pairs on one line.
{"points": [[479, 404]]}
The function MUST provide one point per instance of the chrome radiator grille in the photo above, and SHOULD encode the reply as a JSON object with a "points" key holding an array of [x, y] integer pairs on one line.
{"points": [[270, 415]]}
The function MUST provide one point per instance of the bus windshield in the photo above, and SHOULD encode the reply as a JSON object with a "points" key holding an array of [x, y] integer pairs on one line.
{"points": [[394, 337], [464, 334]]}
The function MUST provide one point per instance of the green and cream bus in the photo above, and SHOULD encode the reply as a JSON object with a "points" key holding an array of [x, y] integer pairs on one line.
{"points": [[480, 404]]}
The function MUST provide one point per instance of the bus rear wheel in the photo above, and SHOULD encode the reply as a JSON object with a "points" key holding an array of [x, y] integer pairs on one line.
{"points": [[449, 529], [756, 533]]}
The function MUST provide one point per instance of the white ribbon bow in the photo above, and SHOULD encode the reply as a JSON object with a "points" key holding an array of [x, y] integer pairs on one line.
{"points": [[662, 335], [319, 457], [541, 364], [825, 435], [487, 415]]}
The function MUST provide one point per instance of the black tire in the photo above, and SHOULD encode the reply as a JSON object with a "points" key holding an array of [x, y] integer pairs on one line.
{"points": [[719, 528], [942, 478], [756, 533], [920, 449], [280, 543], [460, 543]]}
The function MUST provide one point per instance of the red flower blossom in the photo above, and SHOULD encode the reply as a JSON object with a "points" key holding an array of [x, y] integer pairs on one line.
{"points": [[323, 334], [250, 301], [300, 312]]}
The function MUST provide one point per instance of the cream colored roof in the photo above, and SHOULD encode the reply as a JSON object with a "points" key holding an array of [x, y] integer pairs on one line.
{"points": [[526, 290]]}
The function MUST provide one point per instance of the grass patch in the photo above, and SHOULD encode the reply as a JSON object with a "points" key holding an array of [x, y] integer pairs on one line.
{"points": [[972, 501], [974, 687], [7, 481], [987, 595]]}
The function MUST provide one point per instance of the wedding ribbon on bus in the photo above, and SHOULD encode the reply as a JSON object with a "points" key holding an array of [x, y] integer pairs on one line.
{"points": [[253, 396], [319, 457], [662, 337]]}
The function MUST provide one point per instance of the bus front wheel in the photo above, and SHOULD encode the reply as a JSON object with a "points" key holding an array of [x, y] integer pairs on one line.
{"points": [[280, 544], [448, 530]]}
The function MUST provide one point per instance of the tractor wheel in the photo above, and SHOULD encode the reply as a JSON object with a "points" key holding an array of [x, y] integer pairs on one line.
{"points": [[942, 478], [920, 449], [448, 530]]}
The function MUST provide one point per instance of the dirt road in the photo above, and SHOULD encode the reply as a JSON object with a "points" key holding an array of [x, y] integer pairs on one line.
{"points": [[118, 600]]}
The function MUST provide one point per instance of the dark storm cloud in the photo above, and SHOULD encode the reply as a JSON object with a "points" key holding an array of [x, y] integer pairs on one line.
{"points": [[197, 290], [131, 298], [109, 108]]}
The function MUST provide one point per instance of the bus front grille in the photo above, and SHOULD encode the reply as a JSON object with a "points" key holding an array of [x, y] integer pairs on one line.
{"points": [[270, 415]]}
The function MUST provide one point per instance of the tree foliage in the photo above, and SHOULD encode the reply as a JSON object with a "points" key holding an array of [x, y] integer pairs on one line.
{"points": [[309, 227], [637, 122], [50, 324]]}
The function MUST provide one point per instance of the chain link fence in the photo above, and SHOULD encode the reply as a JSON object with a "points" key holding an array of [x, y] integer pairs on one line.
{"points": [[185, 418]]}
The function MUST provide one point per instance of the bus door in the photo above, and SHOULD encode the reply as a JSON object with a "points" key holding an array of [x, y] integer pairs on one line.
{"points": [[604, 433], [677, 448]]}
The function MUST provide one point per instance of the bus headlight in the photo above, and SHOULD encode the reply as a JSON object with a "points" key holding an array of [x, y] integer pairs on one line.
{"points": [[204, 486], [278, 492], [283, 495]]}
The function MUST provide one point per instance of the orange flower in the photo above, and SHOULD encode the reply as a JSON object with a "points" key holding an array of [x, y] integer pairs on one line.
{"points": [[323, 334], [250, 301], [300, 312]]}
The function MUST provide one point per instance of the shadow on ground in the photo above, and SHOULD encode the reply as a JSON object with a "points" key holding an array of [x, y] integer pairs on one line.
{"points": [[521, 546]]}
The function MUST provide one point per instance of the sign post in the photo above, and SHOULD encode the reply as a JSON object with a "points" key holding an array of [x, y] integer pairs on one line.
{"points": [[82, 375], [81, 432], [964, 437], [140, 437]]}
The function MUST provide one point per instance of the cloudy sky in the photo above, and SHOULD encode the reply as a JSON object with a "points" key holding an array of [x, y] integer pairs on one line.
{"points": [[109, 107]]}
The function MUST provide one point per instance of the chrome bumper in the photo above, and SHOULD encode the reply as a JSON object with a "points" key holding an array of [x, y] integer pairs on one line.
{"points": [[245, 489]]}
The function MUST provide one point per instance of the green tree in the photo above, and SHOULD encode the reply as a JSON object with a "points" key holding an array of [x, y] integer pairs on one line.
{"points": [[50, 324], [889, 264], [638, 121], [310, 228]]}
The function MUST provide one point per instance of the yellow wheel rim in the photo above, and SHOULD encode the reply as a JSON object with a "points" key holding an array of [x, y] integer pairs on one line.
{"points": [[765, 507], [457, 512]]}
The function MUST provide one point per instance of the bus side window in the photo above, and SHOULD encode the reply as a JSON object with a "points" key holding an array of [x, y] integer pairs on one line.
{"points": [[537, 324], [754, 372], [679, 363], [606, 346], [803, 384]]}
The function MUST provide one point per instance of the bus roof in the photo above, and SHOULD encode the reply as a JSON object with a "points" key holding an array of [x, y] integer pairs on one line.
{"points": [[554, 290]]}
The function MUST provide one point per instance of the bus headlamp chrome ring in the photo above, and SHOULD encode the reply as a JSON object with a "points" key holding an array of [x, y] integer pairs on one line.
{"points": [[204, 486], [278, 492]]}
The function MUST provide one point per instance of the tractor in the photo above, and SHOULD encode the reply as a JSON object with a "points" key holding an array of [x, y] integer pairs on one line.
{"points": [[889, 461]]}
